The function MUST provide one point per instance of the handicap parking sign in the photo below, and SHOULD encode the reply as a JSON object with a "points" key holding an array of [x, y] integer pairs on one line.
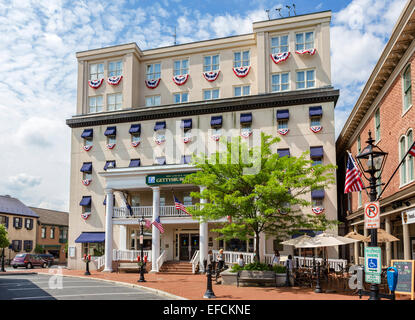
{"points": [[372, 263], [373, 260]]}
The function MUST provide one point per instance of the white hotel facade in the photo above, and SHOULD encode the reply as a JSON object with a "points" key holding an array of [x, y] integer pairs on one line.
{"points": [[136, 128]]}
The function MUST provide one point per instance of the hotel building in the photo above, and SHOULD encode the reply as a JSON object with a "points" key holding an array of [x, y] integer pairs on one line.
{"points": [[141, 113]]}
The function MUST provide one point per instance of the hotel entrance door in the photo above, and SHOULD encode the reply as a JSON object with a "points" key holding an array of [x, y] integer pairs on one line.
{"points": [[189, 243]]}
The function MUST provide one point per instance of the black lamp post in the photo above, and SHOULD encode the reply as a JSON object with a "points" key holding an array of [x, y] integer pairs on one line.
{"points": [[2, 261], [371, 162], [142, 222]]}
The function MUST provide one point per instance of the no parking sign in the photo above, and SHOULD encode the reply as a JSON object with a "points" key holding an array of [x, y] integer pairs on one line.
{"points": [[372, 215]]}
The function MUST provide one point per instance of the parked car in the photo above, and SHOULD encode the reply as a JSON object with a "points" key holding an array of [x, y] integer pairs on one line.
{"points": [[48, 257], [28, 261]]}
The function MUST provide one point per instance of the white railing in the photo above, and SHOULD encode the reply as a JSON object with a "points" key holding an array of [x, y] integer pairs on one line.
{"points": [[142, 211], [232, 257], [195, 260], [160, 260], [100, 261], [129, 255], [307, 262]]}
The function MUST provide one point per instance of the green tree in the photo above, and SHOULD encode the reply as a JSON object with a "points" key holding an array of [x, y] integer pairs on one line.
{"points": [[4, 240], [39, 249], [258, 190]]}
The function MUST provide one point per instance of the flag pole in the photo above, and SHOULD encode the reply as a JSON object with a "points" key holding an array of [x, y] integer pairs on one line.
{"points": [[396, 170], [354, 163]]}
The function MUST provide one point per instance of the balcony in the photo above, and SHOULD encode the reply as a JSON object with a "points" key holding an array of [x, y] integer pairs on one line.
{"points": [[165, 211]]}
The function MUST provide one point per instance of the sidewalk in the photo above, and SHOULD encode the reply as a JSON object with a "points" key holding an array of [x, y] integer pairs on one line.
{"points": [[193, 287]]}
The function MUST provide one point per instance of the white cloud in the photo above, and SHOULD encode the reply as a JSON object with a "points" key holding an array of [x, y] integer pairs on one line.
{"points": [[23, 181]]}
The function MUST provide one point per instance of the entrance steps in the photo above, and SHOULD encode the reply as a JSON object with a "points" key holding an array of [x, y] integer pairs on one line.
{"points": [[176, 267]]}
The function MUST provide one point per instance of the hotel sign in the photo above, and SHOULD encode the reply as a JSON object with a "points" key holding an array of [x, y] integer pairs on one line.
{"points": [[158, 179], [408, 217]]}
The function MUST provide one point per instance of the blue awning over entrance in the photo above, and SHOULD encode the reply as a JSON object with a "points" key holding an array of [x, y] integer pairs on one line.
{"points": [[91, 237]]}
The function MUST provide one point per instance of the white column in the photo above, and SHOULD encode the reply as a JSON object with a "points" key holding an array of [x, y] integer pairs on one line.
{"points": [[203, 238], [108, 230], [388, 229], [356, 247], [155, 236], [406, 242], [123, 237]]}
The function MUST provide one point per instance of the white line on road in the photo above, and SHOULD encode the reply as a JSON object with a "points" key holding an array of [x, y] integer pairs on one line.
{"points": [[81, 295]]}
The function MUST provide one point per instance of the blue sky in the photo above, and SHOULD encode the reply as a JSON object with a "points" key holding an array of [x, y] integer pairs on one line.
{"points": [[39, 39]]}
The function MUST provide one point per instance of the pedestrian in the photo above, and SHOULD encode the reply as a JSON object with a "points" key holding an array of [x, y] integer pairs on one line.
{"points": [[241, 261], [276, 258], [221, 259], [289, 263]]}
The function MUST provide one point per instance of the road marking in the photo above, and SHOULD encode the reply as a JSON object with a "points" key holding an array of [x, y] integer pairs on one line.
{"points": [[82, 295], [64, 287]]}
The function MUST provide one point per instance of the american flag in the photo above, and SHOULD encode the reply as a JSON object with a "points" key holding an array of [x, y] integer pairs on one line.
{"points": [[353, 181], [180, 206], [148, 223], [158, 224], [412, 150]]}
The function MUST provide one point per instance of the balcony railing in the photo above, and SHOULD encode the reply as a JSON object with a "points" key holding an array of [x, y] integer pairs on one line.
{"points": [[165, 211]]}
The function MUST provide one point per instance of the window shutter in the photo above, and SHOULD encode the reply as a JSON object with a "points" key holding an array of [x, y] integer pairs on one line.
{"points": [[19, 245], [20, 226], [7, 222], [31, 224]]}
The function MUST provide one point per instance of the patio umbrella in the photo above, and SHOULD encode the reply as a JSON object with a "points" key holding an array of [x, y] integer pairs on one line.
{"points": [[383, 237], [297, 241], [325, 239], [355, 235]]}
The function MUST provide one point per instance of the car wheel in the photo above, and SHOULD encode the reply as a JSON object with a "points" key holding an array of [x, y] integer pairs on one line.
{"points": [[29, 266], [44, 265]]}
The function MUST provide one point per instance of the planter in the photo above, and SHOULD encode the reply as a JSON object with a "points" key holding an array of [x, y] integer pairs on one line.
{"points": [[253, 278]]}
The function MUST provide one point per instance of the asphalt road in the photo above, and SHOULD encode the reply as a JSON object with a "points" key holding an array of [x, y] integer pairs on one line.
{"points": [[46, 287]]}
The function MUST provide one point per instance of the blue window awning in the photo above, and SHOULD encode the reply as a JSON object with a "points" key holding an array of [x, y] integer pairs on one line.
{"points": [[246, 118], [316, 152], [186, 159], [161, 125], [317, 194], [134, 163], [283, 152], [87, 167], [135, 128], [216, 121], [91, 237], [111, 131], [283, 114], [86, 201], [87, 134], [186, 124], [316, 111], [109, 164], [161, 160]]}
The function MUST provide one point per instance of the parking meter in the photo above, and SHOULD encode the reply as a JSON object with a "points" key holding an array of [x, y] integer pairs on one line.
{"points": [[392, 276]]}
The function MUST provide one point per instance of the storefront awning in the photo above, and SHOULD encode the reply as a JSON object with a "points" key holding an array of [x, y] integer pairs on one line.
{"points": [[186, 124], [246, 118], [283, 152], [161, 125], [111, 131], [316, 152], [86, 201], [316, 111], [91, 237], [216, 121], [87, 167]]}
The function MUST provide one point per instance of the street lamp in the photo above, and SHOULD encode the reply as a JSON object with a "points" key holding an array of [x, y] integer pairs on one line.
{"points": [[371, 162], [142, 223]]}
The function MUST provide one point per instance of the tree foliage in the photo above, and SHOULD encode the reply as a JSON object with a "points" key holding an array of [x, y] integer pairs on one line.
{"points": [[4, 240]]}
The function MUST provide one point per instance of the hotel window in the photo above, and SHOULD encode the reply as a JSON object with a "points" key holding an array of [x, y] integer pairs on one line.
{"points": [[17, 245], [135, 131], [306, 79], [181, 97], [29, 224], [241, 91], [135, 200], [407, 89], [304, 41], [110, 164], [377, 125], [211, 94], [111, 134], [187, 200], [359, 145], [95, 104], [162, 201], [4, 221], [115, 68], [96, 71], [17, 223], [280, 82], [316, 113], [316, 155], [279, 44], [283, 116], [153, 71], [85, 204], [181, 67], [27, 245], [87, 135], [160, 161], [211, 63], [114, 101], [86, 170], [153, 101], [407, 167], [241, 59], [52, 233], [43, 232]]}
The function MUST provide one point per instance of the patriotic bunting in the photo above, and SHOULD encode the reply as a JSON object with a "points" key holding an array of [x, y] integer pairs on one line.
{"points": [[160, 138], [283, 132], [216, 137], [180, 80], [211, 75], [135, 144], [86, 182], [311, 52], [85, 215], [280, 57], [87, 148], [316, 129], [114, 80], [241, 72], [95, 84], [317, 210], [111, 146], [187, 137], [153, 83], [246, 132]]}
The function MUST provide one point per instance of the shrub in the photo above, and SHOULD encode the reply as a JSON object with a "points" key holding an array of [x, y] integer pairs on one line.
{"points": [[257, 266]]}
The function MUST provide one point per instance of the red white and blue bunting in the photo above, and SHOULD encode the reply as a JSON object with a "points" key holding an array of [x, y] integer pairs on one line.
{"points": [[316, 129], [87, 148], [280, 57], [114, 80], [85, 215], [246, 132], [283, 132], [111, 146], [159, 138], [135, 144], [187, 137], [86, 182], [153, 83], [180, 80], [241, 72], [95, 84], [216, 136], [211, 75], [317, 210], [311, 52]]}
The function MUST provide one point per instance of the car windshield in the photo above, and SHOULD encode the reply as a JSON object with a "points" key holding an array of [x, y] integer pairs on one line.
{"points": [[20, 255]]}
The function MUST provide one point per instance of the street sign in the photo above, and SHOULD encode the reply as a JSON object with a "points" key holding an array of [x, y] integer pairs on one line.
{"points": [[372, 215], [372, 278], [159, 179], [373, 264]]}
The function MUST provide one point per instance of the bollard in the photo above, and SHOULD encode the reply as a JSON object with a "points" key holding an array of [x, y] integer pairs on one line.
{"points": [[209, 294], [318, 287]]}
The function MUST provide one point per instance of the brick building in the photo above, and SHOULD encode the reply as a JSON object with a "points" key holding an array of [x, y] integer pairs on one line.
{"points": [[385, 107]]}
